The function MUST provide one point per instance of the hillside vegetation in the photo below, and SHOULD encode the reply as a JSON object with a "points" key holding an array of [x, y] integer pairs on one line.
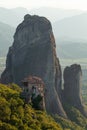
{"points": [[16, 115]]}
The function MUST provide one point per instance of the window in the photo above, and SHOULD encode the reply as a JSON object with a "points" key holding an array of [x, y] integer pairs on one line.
{"points": [[27, 90], [25, 83]]}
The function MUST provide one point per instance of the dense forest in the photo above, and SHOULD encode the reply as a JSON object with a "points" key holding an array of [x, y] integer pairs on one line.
{"points": [[16, 115]]}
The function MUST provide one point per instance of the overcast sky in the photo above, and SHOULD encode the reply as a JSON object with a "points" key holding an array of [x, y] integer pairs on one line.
{"points": [[29, 4]]}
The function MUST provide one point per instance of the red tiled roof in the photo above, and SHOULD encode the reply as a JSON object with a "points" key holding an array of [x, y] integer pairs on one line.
{"points": [[33, 80]]}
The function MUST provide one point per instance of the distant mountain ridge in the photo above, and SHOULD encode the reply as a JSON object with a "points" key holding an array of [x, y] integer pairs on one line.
{"points": [[70, 28], [14, 16], [55, 14], [6, 38], [74, 27], [71, 36], [72, 50]]}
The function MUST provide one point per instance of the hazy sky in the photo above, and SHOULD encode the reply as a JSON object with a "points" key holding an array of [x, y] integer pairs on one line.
{"points": [[67, 4]]}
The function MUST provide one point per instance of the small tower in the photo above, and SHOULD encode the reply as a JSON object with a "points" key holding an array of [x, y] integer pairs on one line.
{"points": [[33, 91]]}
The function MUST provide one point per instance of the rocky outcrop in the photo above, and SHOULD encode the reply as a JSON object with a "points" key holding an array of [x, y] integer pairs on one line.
{"points": [[34, 53], [72, 87]]}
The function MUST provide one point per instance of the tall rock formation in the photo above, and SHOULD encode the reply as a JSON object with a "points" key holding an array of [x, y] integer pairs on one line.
{"points": [[34, 53], [72, 87]]}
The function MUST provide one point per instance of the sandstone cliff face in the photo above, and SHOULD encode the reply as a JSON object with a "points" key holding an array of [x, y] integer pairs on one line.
{"points": [[34, 53], [72, 87]]}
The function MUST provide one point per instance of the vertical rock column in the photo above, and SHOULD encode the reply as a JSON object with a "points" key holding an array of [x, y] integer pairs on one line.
{"points": [[34, 53], [72, 87]]}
